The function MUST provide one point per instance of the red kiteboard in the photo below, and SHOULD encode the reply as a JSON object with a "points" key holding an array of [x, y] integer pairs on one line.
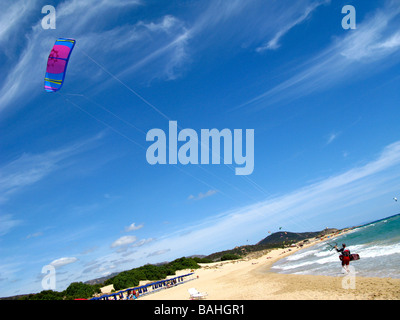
{"points": [[353, 257]]}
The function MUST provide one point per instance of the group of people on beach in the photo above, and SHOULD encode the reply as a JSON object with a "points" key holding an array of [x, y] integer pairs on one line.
{"points": [[133, 294]]}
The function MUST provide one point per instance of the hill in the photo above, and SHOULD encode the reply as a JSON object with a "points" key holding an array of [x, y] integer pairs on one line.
{"points": [[275, 240], [285, 237]]}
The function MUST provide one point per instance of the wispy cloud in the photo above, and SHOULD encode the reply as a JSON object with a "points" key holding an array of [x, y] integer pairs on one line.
{"points": [[375, 39], [133, 227], [34, 235], [142, 242], [168, 49], [13, 16], [332, 137], [123, 241], [29, 169], [158, 252], [7, 223], [58, 263], [286, 26], [201, 195]]}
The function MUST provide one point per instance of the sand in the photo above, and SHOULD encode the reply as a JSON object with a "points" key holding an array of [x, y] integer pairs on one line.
{"points": [[252, 279]]}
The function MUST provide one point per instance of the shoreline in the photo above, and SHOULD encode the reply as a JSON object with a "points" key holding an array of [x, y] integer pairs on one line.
{"points": [[251, 278]]}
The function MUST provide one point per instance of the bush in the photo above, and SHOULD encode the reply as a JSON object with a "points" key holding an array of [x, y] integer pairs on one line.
{"points": [[202, 260], [183, 263], [45, 295], [131, 278], [230, 256], [79, 290], [123, 280]]}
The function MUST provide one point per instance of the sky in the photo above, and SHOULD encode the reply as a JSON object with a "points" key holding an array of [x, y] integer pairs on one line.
{"points": [[76, 190]]}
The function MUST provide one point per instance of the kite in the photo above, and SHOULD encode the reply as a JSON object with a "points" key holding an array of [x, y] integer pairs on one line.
{"points": [[57, 64]]}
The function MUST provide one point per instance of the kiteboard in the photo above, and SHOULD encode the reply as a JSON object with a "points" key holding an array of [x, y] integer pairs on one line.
{"points": [[353, 257]]}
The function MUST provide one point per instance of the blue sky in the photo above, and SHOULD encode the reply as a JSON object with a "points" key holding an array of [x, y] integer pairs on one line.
{"points": [[76, 191]]}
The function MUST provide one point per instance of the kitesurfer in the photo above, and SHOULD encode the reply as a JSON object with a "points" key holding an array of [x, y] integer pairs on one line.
{"points": [[345, 256]]}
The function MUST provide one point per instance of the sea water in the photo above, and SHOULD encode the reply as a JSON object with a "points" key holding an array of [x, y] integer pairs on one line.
{"points": [[377, 243]]}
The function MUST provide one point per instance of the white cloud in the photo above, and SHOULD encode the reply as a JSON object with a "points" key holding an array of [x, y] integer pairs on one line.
{"points": [[34, 235], [158, 252], [63, 262], [286, 26], [142, 242], [164, 55], [202, 195], [123, 241], [12, 17], [332, 137], [133, 227]]}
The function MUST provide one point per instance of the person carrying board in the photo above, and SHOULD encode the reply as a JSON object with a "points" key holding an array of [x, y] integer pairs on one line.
{"points": [[345, 256]]}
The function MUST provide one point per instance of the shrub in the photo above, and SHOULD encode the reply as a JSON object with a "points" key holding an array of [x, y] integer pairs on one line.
{"points": [[79, 290], [45, 295], [202, 260], [131, 278], [230, 256]]}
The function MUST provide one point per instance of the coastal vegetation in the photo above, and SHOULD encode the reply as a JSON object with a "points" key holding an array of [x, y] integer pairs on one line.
{"points": [[123, 280], [131, 278], [230, 256]]}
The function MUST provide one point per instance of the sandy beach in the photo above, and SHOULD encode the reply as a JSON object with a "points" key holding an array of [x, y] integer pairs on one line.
{"points": [[251, 279]]}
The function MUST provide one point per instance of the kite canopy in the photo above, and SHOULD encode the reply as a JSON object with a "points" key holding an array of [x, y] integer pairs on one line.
{"points": [[57, 64]]}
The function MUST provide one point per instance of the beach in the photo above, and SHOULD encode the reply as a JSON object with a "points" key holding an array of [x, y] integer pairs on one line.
{"points": [[251, 279]]}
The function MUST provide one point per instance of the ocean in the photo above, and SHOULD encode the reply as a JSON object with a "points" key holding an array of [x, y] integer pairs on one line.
{"points": [[377, 243]]}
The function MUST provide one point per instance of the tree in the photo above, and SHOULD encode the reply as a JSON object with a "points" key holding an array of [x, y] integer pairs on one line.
{"points": [[45, 295], [79, 290]]}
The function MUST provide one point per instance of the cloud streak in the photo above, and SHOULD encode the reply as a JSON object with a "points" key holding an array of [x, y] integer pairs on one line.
{"points": [[123, 241], [333, 136], [374, 40], [29, 169], [7, 223], [201, 195], [133, 227], [58, 263], [274, 43]]}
